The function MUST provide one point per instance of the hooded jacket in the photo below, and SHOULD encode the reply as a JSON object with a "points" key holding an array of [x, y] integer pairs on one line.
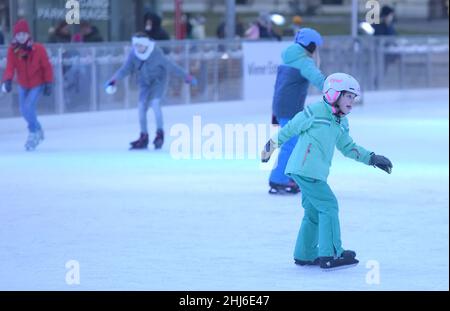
{"points": [[29, 62], [293, 80], [94, 36], [157, 32]]}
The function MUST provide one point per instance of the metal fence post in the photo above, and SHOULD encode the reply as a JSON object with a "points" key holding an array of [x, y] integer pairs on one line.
{"points": [[402, 70], [187, 67], [429, 64], [380, 67], [60, 82], [216, 72], [94, 89], [371, 53], [126, 82]]}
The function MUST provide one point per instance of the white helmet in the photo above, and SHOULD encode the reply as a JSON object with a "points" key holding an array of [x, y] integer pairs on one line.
{"points": [[337, 83]]}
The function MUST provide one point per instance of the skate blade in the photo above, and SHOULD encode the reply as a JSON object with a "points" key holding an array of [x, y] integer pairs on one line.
{"points": [[281, 192], [339, 268], [138, 150], [30, 148], [307, 266]]}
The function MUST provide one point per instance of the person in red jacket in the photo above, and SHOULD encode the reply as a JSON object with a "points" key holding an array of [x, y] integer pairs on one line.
{"points": [[29, 60]]}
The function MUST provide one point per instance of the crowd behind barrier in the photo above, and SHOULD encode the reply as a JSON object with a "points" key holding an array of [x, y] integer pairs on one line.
{"points": [[81, 70]]}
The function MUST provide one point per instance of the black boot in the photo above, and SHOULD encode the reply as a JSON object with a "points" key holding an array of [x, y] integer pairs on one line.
{"points": [[290, 188], [159, 139], [314, 262], [141, 143], [346, 260], [348, 254]]}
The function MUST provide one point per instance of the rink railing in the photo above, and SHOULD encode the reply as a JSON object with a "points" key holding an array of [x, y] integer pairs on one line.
{"points": [[81, 70]]}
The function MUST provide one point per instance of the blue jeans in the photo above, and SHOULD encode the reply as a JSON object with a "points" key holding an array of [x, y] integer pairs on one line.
{"points": [[143, 108], [277, 176], [28, 99]]}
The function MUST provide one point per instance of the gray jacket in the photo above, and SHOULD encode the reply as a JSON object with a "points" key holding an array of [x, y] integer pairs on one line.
{"points": [[152, 74]]}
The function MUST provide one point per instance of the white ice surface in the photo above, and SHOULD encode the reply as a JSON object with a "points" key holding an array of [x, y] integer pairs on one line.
{"points": [[144, 221]]}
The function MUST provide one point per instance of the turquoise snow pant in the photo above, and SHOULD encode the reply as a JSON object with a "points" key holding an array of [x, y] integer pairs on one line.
{"points": [[320, 233]]}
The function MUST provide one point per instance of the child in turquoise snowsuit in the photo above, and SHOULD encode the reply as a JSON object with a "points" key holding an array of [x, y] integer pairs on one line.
{"points": [[321, 127]]}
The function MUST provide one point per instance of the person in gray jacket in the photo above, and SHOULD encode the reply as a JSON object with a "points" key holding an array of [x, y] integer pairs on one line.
{"points": [[153, 68]]}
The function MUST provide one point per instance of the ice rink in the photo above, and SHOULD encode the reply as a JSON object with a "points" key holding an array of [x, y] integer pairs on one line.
{"points": [[146, 221]]}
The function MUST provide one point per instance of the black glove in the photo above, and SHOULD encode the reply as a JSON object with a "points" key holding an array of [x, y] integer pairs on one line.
{"points": [[275, 120], [381, 162], [47, 89], [7, 86]]}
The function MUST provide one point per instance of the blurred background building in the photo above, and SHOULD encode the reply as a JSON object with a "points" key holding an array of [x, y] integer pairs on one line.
{"points": [[116, 20], [415, 57]]}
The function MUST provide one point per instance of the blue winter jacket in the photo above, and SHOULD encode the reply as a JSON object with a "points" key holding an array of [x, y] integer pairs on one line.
{"points": [[293, 79]]}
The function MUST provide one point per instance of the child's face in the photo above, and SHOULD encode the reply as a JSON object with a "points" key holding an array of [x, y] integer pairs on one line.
{"points": [[149, 25], [389, 19], [346, 102], [22, 37], [141, 49]]}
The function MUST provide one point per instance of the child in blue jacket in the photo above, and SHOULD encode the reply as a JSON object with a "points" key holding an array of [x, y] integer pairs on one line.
{"points": [[298, 71]]}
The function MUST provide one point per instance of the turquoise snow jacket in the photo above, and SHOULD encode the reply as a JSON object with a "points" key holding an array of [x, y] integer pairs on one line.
{"points": [[320, 132]]}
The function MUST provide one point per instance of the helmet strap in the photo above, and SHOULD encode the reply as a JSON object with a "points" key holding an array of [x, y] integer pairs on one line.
{"points": [[332, 101], [337, 111], [311, 48]]}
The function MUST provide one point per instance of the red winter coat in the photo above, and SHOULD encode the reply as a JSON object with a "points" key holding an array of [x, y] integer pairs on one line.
{"points": [[32, 71]]}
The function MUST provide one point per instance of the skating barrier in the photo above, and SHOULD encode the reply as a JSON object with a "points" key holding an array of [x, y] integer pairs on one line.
{"points": [[81, 70]]}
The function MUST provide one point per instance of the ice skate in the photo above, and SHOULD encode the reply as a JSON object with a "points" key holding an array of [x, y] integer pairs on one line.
{"points": [[40, 136], [346, 260], [159, 139], [315, 262], [291, 188], [32, 142], [141, 143]]}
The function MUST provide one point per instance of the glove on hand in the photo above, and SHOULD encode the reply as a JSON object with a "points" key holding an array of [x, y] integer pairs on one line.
{"points": [[7, 86], [269, 148], [381, 162], [110, 87], [275, 120]]}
